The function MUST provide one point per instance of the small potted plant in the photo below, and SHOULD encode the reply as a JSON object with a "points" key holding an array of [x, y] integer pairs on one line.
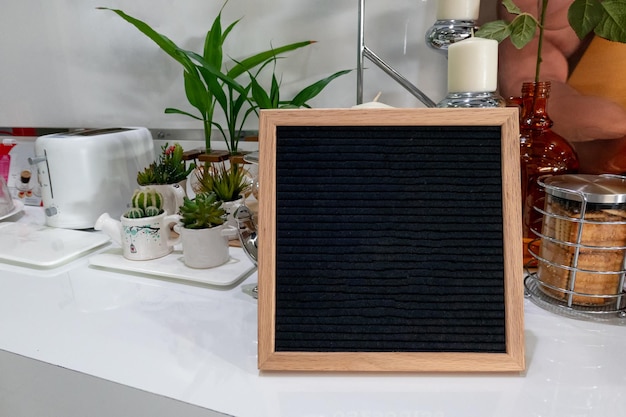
{"points": [[204, 233], [168, 175], [143, 231], [229, 183]]}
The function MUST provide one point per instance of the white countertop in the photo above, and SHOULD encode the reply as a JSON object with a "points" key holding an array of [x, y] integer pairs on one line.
{"points": [[198, 344]]}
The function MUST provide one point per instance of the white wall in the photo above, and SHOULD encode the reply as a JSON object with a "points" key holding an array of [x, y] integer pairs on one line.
{"points": [[65, 64]]}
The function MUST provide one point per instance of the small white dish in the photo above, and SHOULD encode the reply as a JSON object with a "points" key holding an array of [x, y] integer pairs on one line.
{"points": [[17, 207]]}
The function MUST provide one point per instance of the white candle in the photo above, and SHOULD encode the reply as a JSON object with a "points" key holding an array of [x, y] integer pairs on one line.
{"points": [[473, 66], [457, 9], [372, 105]]}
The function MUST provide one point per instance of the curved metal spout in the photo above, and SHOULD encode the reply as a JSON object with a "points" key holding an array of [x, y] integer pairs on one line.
{"points": [[247, 232]]}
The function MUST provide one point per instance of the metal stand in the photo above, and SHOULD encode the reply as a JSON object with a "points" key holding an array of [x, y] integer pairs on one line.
{"points": [[365, 52]]}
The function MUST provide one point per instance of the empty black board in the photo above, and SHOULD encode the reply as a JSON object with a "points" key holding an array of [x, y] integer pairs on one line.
{"points": [[389, 239]]}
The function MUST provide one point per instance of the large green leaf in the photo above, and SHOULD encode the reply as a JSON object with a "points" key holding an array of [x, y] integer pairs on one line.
{"points": [[216, 88], [196, 92], [213, 43], [247, 64], [584, 16], [259, 95], [498, 30], [511, 7], [613, 24], [523, 29]]}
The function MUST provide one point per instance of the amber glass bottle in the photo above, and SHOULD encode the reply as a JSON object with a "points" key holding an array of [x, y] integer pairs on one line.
{"points": [[542, 152]]}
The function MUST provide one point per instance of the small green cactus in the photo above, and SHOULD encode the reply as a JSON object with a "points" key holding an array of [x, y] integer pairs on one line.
{"points": [[203, 212], [152, 211], [147, 197], [135, 213], [146, 202]]}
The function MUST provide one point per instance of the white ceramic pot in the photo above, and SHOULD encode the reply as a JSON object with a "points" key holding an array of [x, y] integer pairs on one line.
{"points": [[141, 239], [205, 248]]}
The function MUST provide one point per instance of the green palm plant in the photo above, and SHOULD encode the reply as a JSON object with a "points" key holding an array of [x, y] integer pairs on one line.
{"points": [[208, 82]]}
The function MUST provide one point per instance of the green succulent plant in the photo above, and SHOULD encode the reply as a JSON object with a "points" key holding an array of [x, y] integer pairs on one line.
{"points": [[202, 212], [146, 202], [170, 167], [228, 183]]}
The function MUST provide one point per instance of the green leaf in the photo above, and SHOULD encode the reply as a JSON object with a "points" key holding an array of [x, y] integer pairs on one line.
{"points": [[170, 110], [257, 59], [511, 7], [216, 88], [584, 16], [259, 95], [275, 92], [228, 30], [314, 89], [613, 24], [207, 70], [195, 91], [213, 44], [162, 41], [498, 30], [523, 29]]}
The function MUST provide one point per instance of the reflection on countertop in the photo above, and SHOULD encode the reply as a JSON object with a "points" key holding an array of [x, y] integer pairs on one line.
{"points": [[198, 344]]}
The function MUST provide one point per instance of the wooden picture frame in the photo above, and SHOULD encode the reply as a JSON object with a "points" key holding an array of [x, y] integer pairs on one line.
{"points": [[291, 139]]}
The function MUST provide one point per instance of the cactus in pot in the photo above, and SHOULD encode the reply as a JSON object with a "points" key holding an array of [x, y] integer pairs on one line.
{"points": [[145, 203]]}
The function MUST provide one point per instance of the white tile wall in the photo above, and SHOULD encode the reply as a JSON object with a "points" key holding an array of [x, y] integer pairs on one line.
{"points": [[67, 64]]}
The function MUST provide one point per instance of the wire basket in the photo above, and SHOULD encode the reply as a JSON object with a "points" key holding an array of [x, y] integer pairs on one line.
{"points": [[581, 244]]}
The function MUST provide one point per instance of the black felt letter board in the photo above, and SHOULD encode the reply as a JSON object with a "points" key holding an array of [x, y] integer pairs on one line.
{"points": [[389, 239]]}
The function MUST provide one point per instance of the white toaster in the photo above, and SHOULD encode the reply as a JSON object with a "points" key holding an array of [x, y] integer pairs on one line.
{"points": [[86, 173]]}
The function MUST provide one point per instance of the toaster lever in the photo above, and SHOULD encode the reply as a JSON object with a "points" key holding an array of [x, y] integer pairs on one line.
{"points": [[36, 160]]}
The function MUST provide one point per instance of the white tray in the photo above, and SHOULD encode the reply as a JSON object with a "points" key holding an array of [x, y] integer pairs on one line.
{"points": [[42, 246], [17, 207], [172, 266]]}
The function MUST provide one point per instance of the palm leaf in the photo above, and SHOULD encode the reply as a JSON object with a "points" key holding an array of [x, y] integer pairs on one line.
{"points": [[314, 89]]}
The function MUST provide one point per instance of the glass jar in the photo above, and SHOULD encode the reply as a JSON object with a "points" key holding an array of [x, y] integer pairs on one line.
{"points": [[583, 239]]}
